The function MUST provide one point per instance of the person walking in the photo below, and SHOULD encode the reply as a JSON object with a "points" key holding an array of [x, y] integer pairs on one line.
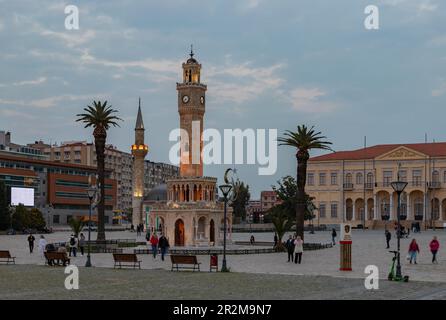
{"points": [[82, 243], [73, 245], [42, 244], [388, 237], [31, 240], [298, 249], [434, 245], [413, 251], [252, 240], [276, 239], [163, 243], [290, 248], [154, 244], [333, 236]]}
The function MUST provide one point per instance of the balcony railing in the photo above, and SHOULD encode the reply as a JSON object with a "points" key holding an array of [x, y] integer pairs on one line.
{"points": [[369, 186], [434, 185], [348, 186]]}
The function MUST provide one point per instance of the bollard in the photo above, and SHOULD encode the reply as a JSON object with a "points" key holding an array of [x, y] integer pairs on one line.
{"points": [[346, 255]]}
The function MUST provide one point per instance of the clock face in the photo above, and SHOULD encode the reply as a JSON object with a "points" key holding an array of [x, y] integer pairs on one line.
{"points": [[185, 99], [202, 100]]}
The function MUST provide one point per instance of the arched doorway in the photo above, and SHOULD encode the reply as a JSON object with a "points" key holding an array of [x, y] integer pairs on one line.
{"points": [[359, 208], [212, 231], [179, 233]]}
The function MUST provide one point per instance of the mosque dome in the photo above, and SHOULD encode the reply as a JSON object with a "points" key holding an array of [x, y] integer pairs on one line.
{"points": [[158, 193]]}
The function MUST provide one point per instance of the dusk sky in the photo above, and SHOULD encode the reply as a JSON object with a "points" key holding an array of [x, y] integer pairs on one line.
{"points": [[267, 64]]}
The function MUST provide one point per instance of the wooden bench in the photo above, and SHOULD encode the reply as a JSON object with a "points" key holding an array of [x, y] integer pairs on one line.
{"points": [[186, 262], [56, 258], [5, 257], [130, 260]]}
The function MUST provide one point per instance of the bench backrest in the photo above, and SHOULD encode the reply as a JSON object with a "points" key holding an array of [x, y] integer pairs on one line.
{"points": [[5, 254], [183, 259], [55, 255], [125, 257]]}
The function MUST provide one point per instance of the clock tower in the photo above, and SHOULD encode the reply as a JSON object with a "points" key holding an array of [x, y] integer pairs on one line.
{"points": [[191, 107]]}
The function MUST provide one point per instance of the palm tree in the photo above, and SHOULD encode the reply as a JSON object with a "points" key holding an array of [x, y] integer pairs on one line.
{"points": [[282, 224], [100, 117], [76, 226], [304, 140]]}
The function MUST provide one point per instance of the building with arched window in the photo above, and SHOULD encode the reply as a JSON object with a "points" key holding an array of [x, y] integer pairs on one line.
{"points": [[372, 201]]}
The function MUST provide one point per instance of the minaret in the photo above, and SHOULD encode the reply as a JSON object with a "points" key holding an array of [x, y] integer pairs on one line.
{"points": [[139, 152], [191, 107]]}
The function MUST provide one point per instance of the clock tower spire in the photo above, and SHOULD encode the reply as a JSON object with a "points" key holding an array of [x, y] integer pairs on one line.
{"points": [[191, 107]]}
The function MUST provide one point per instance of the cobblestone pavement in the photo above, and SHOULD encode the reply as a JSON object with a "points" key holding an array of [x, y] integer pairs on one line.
{"points": [[368, 249], [39, 282]]}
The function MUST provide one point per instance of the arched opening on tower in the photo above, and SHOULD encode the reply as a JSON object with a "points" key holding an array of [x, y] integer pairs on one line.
{"points": [[179, 233]]}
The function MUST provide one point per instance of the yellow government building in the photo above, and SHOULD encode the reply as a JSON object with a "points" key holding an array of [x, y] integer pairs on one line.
{"points": [[347, 184]]}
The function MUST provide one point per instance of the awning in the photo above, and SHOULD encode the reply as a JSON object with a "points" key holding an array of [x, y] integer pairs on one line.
{"points": [[86, 218]]}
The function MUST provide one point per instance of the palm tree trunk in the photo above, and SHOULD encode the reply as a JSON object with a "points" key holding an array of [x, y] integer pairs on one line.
{"points": [[100, 156], [302, 158]]}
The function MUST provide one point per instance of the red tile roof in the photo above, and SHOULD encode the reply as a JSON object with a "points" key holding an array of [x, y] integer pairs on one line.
{"points": [[436, 149]]}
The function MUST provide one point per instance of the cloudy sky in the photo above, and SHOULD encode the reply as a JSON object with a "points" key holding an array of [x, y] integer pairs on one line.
{"points": [[267, 64]]}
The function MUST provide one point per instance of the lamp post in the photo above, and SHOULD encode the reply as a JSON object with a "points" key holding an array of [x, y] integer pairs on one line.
{"points": [[225, 189], [91, 192], [399, 187]]}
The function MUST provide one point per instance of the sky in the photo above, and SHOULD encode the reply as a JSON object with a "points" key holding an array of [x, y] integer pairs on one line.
{"points": [[268, 64]]}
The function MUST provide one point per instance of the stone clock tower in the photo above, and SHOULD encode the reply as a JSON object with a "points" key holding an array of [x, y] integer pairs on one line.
{"points": [[191, 214], [191, 107], [139, 152]]}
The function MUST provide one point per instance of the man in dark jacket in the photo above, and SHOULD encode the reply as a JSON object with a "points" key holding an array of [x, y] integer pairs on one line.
{"points": [[31, 240], [388, 237], [290, 248], [163, 243]]}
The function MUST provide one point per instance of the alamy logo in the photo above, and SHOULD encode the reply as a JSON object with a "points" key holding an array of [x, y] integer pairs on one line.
{"points": [[371, 22], [72, 20], [371, 282], [72, 280], [232, 145]]}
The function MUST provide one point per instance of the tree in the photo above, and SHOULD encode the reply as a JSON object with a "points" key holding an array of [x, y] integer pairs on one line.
{"points": [[76, 226], [4, 209], [241, 198], [304, 140], [100, 117], [20, 218], [287, 194], [35, 219], [282, 224]]}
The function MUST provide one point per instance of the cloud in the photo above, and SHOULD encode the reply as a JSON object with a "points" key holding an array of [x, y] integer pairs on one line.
{"points": [[440, 91], [310, 100], [239, 83], [30, 82], [51, 102]]}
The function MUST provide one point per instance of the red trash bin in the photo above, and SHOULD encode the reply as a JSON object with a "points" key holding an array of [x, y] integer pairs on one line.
{"points": [[213, 263]]}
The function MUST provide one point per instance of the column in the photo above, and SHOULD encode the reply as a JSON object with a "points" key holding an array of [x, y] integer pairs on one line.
{"points": [[375, 207], [424, 206], [409, 209], [366, 210], [440, 213], [354, 211], [391, 211]]}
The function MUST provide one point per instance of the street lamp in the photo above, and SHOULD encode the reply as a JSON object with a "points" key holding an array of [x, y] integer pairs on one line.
{"points": [[91, 192], [225, 189], [399, 187]]}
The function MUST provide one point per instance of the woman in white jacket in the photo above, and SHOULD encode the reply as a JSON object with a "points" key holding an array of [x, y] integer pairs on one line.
{"points": [[42, 245], [298, 249]]}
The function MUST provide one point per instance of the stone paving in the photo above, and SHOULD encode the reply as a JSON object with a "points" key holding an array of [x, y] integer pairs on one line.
{"points": [[38, 282], [368, 249]]}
